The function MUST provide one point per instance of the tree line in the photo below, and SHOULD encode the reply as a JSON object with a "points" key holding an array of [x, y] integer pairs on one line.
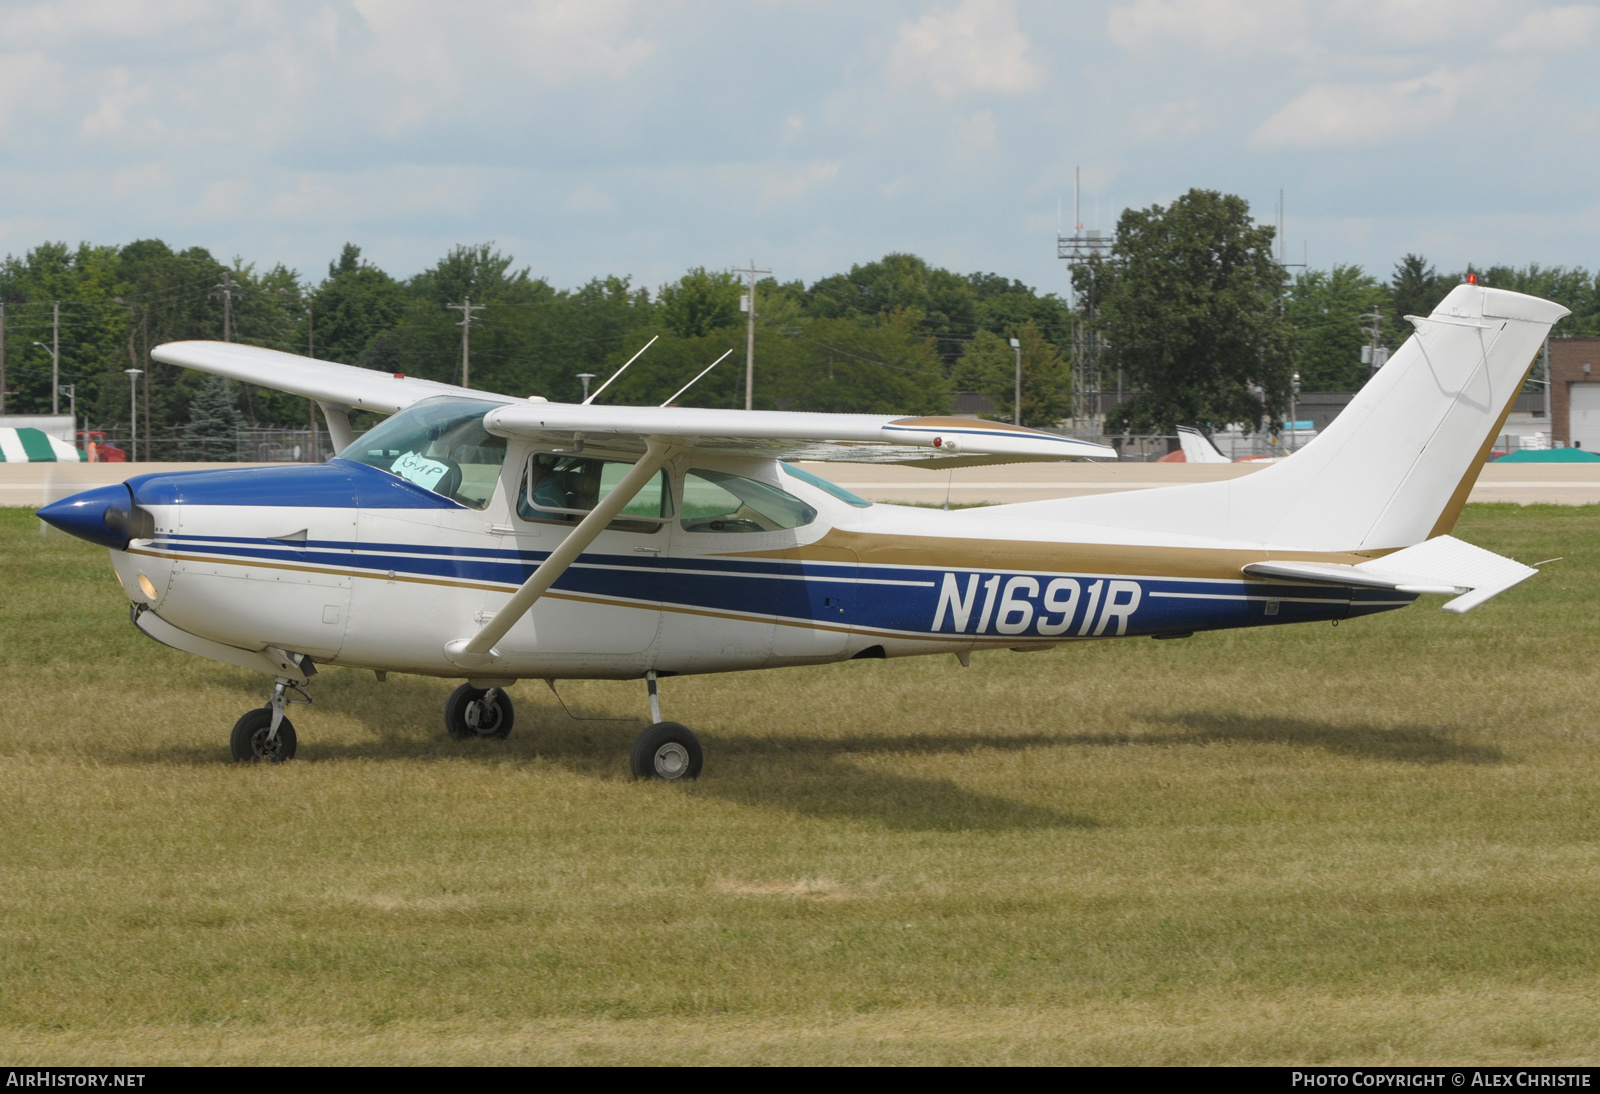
{"points": [[1209, 328], [896, 335], [1189, 305]]}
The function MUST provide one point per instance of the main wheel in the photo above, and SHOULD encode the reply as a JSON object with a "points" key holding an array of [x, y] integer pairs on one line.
{"points": [[249, 740], [666, 751], [471, 713]]}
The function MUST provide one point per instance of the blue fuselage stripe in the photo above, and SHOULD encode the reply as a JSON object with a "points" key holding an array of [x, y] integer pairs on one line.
{"points": [[1025, 606]]}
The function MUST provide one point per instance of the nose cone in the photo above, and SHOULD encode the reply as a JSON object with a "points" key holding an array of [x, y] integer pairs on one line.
{"points": [[86, 515]]}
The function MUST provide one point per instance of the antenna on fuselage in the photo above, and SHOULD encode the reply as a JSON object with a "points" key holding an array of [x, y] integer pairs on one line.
{"points": [[696, 380], [621, 370]]}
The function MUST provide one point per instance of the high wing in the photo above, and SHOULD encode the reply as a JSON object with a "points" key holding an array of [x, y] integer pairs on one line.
{"points": [[876, 438], [337, 389], [344, 386], [792, 435]]}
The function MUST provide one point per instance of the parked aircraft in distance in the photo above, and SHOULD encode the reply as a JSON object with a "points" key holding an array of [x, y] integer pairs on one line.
{"points": [[498, 539]]}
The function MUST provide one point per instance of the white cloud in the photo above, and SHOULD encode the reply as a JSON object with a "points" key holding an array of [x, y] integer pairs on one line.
{"points": [[1169, 121], [1551, 30], [1347, 116], [781, 183], [974, 47], [25, 80], [1211, 23], [110, 116], [587, 199]]}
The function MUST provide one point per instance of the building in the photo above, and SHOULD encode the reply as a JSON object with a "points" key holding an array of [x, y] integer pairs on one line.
{"points": [[1575, 392]]}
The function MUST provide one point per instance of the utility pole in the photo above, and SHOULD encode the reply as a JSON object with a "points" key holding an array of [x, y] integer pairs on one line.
{"points": [[311, 351], [225, 290], [1373, 353], [749, 303], [2, 356], [466, 311], [55, 358]]}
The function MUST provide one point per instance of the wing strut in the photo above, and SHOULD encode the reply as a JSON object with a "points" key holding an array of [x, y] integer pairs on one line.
{"points": [[478, 651], [338, 419]]}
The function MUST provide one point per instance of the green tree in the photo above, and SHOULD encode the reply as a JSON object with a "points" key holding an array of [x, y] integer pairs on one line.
{"points": [[1574, 288], [989, 365], [699, 302], [1416, 289], [1188, 303], [1328, 310], [356, 303], [214, 422]]}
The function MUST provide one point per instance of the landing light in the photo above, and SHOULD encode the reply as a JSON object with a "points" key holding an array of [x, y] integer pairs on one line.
{"points": [[148, 589]]}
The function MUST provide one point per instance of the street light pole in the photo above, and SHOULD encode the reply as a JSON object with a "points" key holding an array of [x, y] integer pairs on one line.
{"points": [[133, 413], [55, 376], [1016, 405], [1294, 414], [72, 397]]}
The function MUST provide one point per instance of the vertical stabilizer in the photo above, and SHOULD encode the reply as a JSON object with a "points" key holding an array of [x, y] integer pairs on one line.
{"points": [[1393, 469]]}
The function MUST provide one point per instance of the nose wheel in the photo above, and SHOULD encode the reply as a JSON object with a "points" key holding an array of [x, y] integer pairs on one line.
{"points": [[472, 713], [253, 741], [265, 735]]}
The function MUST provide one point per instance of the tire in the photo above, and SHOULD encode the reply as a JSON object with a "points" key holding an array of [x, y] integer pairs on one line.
{"points": [[667, 751], [494, 721], [249, 739]]}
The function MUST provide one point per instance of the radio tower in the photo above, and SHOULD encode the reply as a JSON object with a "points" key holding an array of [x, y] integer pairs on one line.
{"points": [[1077, 249]]}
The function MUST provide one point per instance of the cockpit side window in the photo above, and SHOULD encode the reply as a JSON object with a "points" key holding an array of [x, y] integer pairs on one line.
{"points": [[715, 501], [438, 444], [563, 488]]}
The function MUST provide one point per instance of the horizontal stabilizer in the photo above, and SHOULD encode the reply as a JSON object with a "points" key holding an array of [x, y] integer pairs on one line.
{"points": [[1443, 565]]}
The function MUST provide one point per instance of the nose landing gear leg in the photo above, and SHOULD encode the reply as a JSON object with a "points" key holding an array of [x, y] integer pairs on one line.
{"points": [[665, 750], [265, 735]]}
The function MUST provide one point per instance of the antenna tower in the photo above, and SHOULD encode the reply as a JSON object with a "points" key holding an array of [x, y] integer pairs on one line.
{"points": [[1077, 249]]}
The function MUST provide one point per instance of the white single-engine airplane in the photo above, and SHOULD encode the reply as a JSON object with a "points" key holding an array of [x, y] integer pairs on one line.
{"points": [[499, 539]]}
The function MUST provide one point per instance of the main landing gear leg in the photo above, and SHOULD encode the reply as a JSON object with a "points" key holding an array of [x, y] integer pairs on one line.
{"points": [[665, 750], [476, 713], [266, 735]]}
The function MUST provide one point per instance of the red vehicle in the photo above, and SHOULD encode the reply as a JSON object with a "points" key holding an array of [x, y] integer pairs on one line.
{"points": [[94, 443]]}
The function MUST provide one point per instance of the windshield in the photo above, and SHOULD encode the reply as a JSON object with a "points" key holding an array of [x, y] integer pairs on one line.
{"points": [[823, 484], [439, 444]]}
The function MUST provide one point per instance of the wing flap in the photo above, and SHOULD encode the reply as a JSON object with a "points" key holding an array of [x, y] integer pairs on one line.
{"points": [[1443, 565], [790, 435]]}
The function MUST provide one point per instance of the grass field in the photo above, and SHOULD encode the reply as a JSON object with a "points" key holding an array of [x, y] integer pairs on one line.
{"points": [[1376, 843]]}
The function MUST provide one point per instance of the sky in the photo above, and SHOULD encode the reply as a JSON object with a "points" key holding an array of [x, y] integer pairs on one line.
{"points": [[645, 138]]}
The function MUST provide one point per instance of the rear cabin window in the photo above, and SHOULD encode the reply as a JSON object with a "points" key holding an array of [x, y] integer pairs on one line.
{"points": [[440, 445], [714, 501], [566, 488]]}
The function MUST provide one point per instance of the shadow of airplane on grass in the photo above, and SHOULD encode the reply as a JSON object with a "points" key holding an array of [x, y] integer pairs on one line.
{"points": [[815, 776]]}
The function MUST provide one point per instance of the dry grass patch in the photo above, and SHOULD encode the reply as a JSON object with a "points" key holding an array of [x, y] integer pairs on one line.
{"points": [[1376, 843]]}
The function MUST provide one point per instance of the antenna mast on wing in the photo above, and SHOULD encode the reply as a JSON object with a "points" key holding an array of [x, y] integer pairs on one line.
{"points": [[674, 398], [623, 369]]}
